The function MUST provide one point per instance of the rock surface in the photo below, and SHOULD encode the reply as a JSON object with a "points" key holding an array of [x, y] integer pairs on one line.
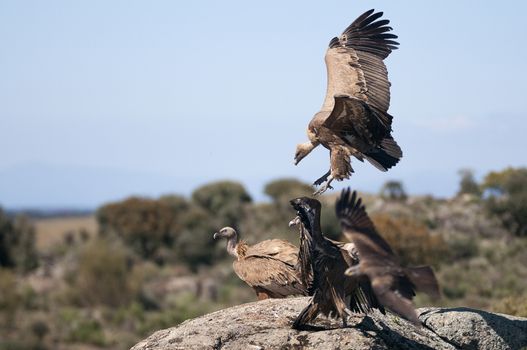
{"points": [[267, 325]]}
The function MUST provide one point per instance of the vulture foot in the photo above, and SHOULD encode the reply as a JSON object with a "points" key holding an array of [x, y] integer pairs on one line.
{"points": [[295, 221], [321, 179], [325, 186]]}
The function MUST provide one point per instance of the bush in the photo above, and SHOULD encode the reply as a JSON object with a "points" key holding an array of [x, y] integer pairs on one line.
{"points": [[10, 300], [78, 327], [411, 240], [283, 190], [224, 199], [507, 198], [17, 243], [144, 224], [393, 190], [468, 184], [104, 275], [195, 245]]}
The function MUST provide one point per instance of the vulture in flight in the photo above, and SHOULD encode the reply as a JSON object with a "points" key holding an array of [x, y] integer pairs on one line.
{"points": [[269, 267], [322, 264], [354, 119], [393, 285]]}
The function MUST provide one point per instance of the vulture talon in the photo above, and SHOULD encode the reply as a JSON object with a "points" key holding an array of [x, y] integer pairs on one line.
{"points": [[324, 187]]}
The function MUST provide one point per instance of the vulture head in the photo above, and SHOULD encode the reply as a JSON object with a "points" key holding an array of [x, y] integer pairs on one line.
{"points": [[307, 211], [302, 150], [226, 232]]}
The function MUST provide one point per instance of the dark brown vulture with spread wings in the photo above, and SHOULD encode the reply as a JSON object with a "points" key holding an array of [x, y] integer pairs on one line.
{"points": [[393, 285], [269, 267], [354, 119], [322, 263]]}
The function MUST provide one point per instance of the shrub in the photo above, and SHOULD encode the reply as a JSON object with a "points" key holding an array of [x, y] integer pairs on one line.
{"points": [[283, 190], [468, 184], [224, 199], [17, 243], [393, 190], [104, 276], [144, 224], [411, 240], [507, 198], [10, 300]]}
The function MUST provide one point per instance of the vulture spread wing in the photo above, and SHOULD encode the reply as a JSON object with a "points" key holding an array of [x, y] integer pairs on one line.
{"points": [[277, 278], [352, 118], [355, 64], [359, 228]]}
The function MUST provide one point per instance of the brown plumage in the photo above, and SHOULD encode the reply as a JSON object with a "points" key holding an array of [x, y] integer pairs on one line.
{"points": [[268, 267], [393, 285], [322, 263], [354, 119]]}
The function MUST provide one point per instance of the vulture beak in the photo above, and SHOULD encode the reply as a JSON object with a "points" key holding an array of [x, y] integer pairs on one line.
{"points": [[216, 235], [296, 161], [294, 222], [352, 271]]}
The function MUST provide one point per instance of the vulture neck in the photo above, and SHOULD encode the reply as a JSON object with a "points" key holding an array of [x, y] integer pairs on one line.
{"points": [[235, 248], [314, 223]]}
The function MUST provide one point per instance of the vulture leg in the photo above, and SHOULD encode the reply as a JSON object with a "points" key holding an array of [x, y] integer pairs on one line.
{"points": [[321, 179], [325, 186]]}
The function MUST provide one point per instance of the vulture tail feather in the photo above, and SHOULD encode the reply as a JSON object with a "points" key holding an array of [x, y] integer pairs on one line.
{"points": [[424, 279], [386, 156]]}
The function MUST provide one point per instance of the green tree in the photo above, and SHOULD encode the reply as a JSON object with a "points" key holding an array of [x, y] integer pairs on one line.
{"points": [[144, 224], [224, 199], [17, 243], [506, 197], [283, 190], [393, 190], [467, 184]]}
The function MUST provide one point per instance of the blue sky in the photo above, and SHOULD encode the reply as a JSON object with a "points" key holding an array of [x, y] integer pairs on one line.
{"points": [[104, 99]]}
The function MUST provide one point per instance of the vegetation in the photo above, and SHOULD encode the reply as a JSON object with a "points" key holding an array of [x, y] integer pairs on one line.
{"points": [[507, 198], [153, 262]]}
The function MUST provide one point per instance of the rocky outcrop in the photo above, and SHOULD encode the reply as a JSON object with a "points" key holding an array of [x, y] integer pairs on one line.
{"points": [[267, 325]]}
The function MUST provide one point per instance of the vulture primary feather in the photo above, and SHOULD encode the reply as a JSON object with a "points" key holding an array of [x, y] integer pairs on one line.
{"points": [[269, 267], [393, 285], [354, 119], [322, 263]]}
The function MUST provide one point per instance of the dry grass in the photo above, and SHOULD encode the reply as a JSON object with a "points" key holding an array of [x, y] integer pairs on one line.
{"points": [[52, 231]]}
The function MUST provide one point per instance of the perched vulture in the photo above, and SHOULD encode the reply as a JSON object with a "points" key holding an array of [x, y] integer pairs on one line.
{"points": [[322, 264], [393, 285], [269, 267], [354, 119]]}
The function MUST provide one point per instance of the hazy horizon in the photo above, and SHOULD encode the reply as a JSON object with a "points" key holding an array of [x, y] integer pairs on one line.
{"points": [[100, 101]]}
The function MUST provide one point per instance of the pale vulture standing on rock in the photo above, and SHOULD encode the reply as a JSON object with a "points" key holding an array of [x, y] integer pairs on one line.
{"points": [[322, 263], [269, 267], [393, 285], [354, 119]]}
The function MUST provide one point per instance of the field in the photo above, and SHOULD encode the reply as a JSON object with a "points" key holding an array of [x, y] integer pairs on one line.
{"points": [[52, 231]]}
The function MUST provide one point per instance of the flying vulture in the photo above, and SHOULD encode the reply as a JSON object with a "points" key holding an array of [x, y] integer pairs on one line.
{"points": [[393, 285], [322, 265], [354, 119], [269, 267]]}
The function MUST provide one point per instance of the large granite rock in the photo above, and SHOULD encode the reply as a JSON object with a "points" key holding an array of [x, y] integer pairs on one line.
{"points": [[267, 325]]}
